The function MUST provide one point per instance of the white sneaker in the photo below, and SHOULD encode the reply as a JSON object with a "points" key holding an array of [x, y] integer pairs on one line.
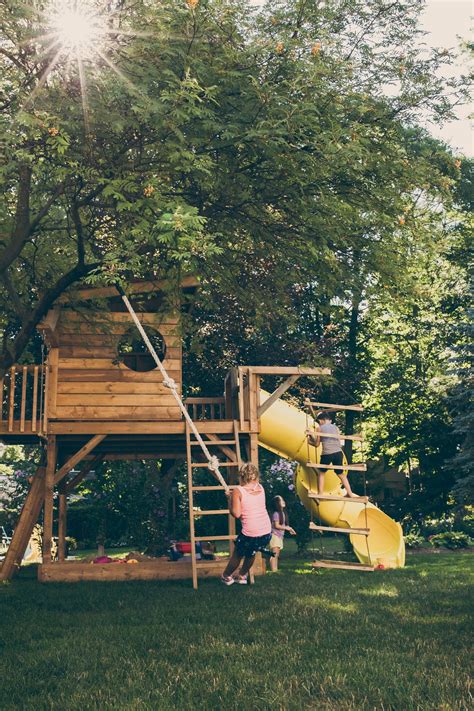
{"points": [[242, 579], [227, 580]]}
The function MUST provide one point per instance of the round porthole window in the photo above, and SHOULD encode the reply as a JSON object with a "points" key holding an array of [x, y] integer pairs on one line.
{"points": [[133, 352]]}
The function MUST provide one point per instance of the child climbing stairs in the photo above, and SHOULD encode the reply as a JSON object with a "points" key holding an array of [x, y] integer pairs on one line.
{"points": [[331, 432]]}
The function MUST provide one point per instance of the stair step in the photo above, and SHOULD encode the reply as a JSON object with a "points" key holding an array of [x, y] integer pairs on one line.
{"points": [[340, 436], [221, 464], [329, 406], [333, 529], [215, 538], [342, 565], [343, 499], [210, 512], [343, 467]]}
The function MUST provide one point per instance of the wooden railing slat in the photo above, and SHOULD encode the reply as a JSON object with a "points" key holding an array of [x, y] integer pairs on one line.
{"points": [[24, 376], [35, 399], [1, 399], [11, 403]]}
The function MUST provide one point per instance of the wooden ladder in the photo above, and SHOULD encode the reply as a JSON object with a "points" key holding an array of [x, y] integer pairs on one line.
{"points": [[362, 500], [230, 448]]}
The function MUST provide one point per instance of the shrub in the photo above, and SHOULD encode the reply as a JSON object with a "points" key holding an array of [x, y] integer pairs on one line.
{"points": [[434, 526], [450, 539], [466, 525], [414, 540], [71, 543]]}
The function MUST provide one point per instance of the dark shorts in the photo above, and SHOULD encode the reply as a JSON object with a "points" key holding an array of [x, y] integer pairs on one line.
{"points": [[247, 546], [335, 458]]}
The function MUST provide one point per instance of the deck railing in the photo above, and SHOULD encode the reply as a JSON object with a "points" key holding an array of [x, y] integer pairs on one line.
{"points": [[206, 408], [22, 399]]}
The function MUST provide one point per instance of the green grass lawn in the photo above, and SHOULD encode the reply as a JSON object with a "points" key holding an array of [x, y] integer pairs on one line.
{"points": [[296, 640]]}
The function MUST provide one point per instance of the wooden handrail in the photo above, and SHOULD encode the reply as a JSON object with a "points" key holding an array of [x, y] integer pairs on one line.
{"points": [[203, 400], [20, 398], [206, 408]]}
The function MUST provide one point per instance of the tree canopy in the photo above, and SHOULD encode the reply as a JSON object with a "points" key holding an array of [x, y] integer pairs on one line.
{"points": [[278, 153], [257, 149]]}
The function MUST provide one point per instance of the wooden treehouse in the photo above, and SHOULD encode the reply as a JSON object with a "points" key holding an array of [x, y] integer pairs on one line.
{"points": [[99, 396]]}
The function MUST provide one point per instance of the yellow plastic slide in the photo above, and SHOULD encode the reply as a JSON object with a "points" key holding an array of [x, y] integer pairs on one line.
{"points": [[283, 432]]}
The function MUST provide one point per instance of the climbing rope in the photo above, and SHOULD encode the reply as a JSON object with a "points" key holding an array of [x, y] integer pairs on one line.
{"points": [[213, 461]]}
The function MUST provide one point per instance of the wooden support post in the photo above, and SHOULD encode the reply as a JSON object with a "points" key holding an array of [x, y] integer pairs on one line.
{"points": [[62, 521], [51, 394], [28, 518], [48, 498], [253, 389], [241, 395], [44, 424], [234, 479], [252, 448]]}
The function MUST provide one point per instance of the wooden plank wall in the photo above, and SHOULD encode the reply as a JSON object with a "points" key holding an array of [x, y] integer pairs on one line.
{"points": [[92, 385]]}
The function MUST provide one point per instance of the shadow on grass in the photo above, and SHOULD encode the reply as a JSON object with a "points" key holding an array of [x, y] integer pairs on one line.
{"points": [[318, 640]]}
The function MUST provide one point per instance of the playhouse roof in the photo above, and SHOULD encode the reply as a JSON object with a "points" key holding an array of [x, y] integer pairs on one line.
{"points": [[187, 284]]}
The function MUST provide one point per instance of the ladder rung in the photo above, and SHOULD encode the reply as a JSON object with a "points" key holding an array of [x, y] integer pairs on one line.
{"points": [[211, 512], [221, 464], [344, 467], [212, 488], [208, 442], [353, 438], [330, 406], [341, 565], [333, 529], [342, 499], [215, 538]]}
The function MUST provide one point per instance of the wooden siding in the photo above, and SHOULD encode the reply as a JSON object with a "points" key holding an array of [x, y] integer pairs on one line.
{"points": [[91, 384]]}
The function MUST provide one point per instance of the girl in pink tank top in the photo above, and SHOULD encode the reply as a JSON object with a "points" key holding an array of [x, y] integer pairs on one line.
{"points": [[247, 502]]}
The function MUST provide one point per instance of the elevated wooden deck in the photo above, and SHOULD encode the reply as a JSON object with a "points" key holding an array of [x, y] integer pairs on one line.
{"points": [[72, 446]]}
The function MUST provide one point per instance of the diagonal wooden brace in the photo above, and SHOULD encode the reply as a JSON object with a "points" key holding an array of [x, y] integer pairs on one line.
{"points": [[282, 388], [77, 457]]}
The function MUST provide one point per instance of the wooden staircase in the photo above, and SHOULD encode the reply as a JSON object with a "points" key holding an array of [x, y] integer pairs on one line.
{"points": [[230, 448], [313, 408]]}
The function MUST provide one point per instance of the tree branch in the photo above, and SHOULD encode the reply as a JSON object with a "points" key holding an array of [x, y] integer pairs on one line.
{"points": [[18, 307], [76, 218], [14, 350], [23, 227]]}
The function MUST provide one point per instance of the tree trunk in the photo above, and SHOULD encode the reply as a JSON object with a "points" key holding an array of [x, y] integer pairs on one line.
{"points": [[352, 363], [160, 486]]}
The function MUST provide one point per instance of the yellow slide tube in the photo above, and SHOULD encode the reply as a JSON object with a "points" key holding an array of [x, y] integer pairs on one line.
{"points": [[283, 432]]}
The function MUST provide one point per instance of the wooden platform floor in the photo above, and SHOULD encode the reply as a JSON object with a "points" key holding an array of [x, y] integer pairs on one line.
{"points": [[159, 569], [120, 436]]}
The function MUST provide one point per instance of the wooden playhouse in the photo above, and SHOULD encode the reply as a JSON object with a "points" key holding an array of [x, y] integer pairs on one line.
{"points": [[98, 395]]}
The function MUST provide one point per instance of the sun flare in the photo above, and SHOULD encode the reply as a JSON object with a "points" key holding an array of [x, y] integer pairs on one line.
{"points": [[77, 28]]}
